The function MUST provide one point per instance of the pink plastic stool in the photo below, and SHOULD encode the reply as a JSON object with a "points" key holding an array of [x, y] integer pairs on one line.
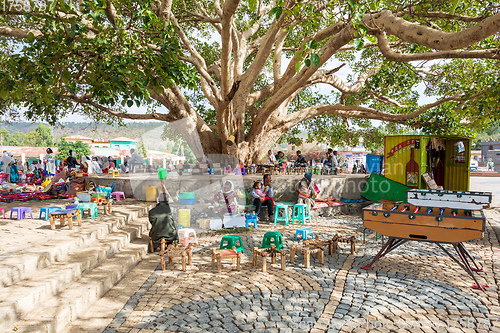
{"points": [[228, 169], [3, 211], [187, 236], [117, 195]]}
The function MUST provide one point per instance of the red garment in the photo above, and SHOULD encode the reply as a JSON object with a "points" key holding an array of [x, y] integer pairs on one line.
{"points": [[272, 200]]}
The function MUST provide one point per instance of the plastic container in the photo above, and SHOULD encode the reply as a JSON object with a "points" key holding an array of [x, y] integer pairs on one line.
{"points": [[151, 192], [187, 198], [215, 224], [83, 196], [162, 173], [185, 217], [234, 220], [374, 163]]}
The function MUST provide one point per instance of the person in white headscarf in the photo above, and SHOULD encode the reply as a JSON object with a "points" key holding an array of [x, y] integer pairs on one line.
{"points": [[105, 164], [51, 162], [95, 166], [4, 162]]}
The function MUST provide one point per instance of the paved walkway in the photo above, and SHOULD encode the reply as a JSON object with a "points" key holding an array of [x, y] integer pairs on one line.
{"points": [[416, 288]]}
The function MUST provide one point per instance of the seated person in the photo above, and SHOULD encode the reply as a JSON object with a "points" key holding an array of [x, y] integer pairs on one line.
{"points": [[270, 158], [162, 223], [262, 195], [225, 200], [301, 160], [282, 161]]}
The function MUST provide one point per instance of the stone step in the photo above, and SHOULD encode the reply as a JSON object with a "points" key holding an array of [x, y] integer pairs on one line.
{"points": [[21, 264], [21, 298], [58, 311]]}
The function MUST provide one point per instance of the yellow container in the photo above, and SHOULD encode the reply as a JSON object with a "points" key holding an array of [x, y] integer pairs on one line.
{"points": [[185, 217], [203, 223], [151, 193]]}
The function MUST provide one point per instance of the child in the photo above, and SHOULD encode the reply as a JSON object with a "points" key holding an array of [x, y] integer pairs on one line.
{"points": [[257, 188]]}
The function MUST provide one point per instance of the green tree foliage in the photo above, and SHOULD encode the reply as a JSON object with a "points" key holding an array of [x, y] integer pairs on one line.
{"points": [[252, 70], [79, 148]]}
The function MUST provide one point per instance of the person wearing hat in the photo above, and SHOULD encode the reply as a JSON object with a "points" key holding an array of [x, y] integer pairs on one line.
{"points": [[307, 191]]}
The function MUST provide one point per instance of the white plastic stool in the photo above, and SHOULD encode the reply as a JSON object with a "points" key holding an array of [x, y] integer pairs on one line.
{"points": [[187, 236]]}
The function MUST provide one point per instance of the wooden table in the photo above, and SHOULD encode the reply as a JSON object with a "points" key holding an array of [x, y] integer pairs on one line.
{"points": [[64, 215], [174, 251], [272, 252]]}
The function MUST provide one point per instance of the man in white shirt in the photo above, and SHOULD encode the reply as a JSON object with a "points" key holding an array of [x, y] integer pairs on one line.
{"points": [[135, 159]]}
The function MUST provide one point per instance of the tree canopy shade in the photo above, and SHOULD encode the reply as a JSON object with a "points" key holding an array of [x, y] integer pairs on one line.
{"points": [[250, 69]]}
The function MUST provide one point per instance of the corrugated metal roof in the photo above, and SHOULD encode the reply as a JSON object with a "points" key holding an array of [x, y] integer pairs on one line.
{"points": [[122, 138]]}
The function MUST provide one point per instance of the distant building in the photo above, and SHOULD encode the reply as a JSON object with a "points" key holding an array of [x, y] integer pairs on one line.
{"points": [[93, 143], [488, 145], [75, 138], [122, 143]]}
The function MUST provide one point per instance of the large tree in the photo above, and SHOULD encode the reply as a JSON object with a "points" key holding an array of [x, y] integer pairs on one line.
{"points": [[249, 70]]}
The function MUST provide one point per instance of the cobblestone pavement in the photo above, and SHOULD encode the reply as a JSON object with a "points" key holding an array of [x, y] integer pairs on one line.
{"points": [[416, 288]]}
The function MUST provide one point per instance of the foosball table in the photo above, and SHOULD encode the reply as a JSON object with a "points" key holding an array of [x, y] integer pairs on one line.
{"points": [[440, 217]]}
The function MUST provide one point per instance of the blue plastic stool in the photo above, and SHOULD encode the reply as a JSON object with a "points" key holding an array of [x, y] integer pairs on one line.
{"points": [[46, 211], [277, 216], [301, 213], [251, 218], [304, 232]]}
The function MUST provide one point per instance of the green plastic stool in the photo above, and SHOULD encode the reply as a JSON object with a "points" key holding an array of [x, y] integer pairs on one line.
{"points": [[277, 216], [231, 241], [301, 213], [273, 238]]}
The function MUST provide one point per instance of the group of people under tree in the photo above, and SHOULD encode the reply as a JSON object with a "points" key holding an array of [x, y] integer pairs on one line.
{"points": [[331, 160]]}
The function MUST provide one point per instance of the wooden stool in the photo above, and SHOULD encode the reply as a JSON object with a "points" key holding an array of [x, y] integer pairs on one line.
{"points": [[106, 204], [173, 250], [344, 239], [264, 253], [318, 243], [306, 251], [63, 215], [226, 254]]}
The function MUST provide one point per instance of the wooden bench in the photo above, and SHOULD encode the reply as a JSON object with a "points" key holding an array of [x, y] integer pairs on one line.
{"points": [[226, 254], [175, 251], [272, 252], [344, 239], [307, 251]]}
